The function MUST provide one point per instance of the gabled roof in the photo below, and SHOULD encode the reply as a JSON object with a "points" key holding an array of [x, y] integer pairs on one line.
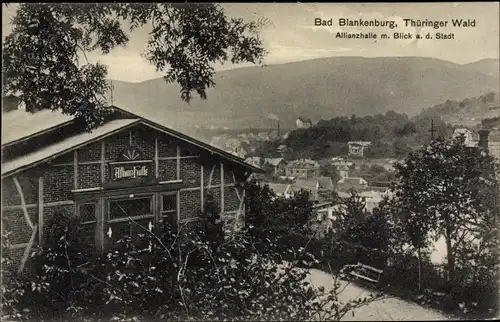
{"points": [[361, 143], [303, 164], [280, 188], [49, 120], [274, 161], [18, 124], [353, 180], [304, 120], [71, 143]]}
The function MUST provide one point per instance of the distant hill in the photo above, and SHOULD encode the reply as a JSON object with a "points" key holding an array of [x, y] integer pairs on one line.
{"points": [[485, 66], [317, 89]]}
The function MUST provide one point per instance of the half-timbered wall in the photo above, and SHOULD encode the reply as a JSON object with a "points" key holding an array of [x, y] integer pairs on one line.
{"points": [[30, 198]]}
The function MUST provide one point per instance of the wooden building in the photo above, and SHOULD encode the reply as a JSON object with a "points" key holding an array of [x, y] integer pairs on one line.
{"points": [[128, 168]]}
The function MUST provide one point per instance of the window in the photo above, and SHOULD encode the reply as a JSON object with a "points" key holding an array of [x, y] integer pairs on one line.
{"points": [[129, 217], [87, 213], [130, 207], [169, 208]]}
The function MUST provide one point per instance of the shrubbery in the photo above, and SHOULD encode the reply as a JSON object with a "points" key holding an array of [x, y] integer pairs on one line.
{"points": [[173, 276]]}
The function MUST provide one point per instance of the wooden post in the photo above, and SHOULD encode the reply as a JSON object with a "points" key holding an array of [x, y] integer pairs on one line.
{"points": [[101, 204], [222, 188], [202, 188], [40, 210], [27, 250], [23, 203], [75, 169], [157, 157], [178, 159], [103, 162]]}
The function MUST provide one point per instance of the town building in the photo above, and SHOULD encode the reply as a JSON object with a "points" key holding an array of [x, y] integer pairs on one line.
{"points": [[342, 166], [321, 189], [357, 148], [466, 134], [303, 123], [282, 150], [302, 169], [357, 184], [129, 168], [284, 190], [275, 166]]}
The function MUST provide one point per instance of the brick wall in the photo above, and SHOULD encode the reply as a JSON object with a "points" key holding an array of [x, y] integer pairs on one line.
{"points": [[190, 172], [89, 176], [58, 183], [190, 204], [91, 152]]}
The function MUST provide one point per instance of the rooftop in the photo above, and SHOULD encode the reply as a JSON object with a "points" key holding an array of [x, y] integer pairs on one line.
{"points": [[66, 145], [303, 164], [274, 161], [19, 124]]}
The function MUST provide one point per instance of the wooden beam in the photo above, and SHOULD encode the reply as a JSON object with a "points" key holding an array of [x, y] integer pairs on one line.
{"points": [[101, 208], [178, 219], [40, 210], [157, 159], [103, 161], [210, 177], [27, 250], [178, 158], [59, 203], [75, 169], [181, 157], [19, 207], [23, 203], [202, 186], [222, 188]]}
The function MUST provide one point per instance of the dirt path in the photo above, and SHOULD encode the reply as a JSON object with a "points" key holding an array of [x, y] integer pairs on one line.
{"points": [[387, 309]]}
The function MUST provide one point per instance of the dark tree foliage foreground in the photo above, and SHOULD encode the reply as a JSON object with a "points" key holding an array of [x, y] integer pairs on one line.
{"points": [[41, 54], [177, 276]]}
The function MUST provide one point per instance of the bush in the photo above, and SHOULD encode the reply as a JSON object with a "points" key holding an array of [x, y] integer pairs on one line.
{"points": [[177, 275]]}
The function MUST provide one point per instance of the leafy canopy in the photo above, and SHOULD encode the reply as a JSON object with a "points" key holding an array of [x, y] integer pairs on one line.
{"points": [[41, 56]]}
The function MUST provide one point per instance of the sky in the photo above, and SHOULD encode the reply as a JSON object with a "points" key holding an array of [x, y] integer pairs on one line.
{"points": [[292, 35]]}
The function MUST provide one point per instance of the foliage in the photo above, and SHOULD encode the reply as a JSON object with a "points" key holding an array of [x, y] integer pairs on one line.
{"points": [[391, 135], [329, 170], [41, 56], [178, 276], [374, 173], [268, 215], [450, 190], [474, 105]]}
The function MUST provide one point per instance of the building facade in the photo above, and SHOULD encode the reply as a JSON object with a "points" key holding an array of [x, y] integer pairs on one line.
{"points": [[302, 169], [357, 148], [130, 168]]}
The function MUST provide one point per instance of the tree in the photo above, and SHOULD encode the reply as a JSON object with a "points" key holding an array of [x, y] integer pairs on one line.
{"points": [[329, 170], [41, 54], [447, 190]]}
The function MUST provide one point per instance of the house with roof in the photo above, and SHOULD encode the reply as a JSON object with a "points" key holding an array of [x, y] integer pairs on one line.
{"points": [[255, 161], [303, 123], [343, 166], [284, 190], [466, 134], [130, 167], [282, 149], [346, 184], [357, 148], [274, 166], [302, 169], [321, 189]]}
